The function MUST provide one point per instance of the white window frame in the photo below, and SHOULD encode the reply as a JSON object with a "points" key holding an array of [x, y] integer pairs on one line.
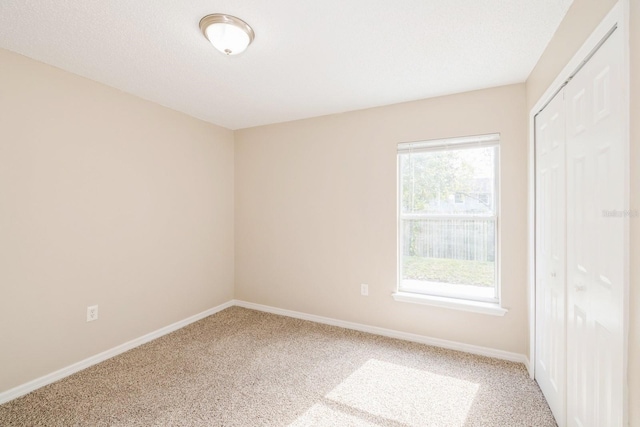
{"points": [[447, 299]]}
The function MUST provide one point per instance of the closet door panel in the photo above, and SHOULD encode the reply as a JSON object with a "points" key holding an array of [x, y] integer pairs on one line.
{"points": [[595, 239], [550, 249]]}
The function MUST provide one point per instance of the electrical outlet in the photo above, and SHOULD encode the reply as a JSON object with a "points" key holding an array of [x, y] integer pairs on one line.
{"points": [[364, 290], [92, 313]]}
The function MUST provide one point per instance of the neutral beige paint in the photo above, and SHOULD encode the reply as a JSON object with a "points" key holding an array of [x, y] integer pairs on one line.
{"points": [[634, 300], [104, 199], [581, 20], [316, 214], [578, 24]]}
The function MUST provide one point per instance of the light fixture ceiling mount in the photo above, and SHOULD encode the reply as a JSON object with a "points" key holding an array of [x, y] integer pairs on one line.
{"points": [[228, 34]]}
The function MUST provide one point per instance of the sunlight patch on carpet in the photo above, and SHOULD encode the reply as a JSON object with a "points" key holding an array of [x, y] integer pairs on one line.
{"points": [[409, 396]]}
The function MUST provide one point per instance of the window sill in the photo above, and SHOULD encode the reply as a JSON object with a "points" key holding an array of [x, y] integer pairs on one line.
{"points": [[489, 308]]}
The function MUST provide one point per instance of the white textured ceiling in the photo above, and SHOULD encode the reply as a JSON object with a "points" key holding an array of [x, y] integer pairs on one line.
{"points": [[309, 58]]}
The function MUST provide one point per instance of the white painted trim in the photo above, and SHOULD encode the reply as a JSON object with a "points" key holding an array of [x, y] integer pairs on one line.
{"points": [[527, 364], [489, 308], [30, 386], [614, 17], [531, 248], [23, 389], [422, 339], [624, 18], [618, 15]]}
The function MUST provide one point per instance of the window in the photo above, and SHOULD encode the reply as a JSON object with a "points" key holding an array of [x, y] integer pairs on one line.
{"points": [[448, 224]]}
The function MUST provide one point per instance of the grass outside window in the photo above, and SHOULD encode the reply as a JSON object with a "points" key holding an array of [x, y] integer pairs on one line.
{"points": [[455, 271]]}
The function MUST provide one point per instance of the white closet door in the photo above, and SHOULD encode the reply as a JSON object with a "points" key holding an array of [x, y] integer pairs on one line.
{"points": [[595, 241], [550, 255]]}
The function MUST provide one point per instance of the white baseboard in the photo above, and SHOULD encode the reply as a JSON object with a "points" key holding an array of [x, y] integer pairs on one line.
{"points": [[436, 342], [93, 360], [23, 389], [527, 364]]}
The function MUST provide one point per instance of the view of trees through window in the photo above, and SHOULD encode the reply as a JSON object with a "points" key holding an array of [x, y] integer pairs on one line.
{"points": [[448, 222]]}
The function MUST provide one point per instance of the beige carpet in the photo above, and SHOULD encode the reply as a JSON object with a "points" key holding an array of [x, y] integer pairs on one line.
{"points": [[246, 368]]}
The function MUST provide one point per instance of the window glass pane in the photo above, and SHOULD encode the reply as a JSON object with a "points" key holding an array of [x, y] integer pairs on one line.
{"points": [[448, 222], [449, 182], [453, 257]]}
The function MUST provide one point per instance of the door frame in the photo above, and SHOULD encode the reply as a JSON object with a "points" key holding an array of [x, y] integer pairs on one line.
{"points": [[618, 16]]}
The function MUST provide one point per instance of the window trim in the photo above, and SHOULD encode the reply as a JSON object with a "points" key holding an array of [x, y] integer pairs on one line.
{"points": [[444, 144], [492, 308], [456, 301]]}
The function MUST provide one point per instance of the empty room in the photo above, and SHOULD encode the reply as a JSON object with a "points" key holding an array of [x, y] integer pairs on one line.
{"points": [[341, 213]]}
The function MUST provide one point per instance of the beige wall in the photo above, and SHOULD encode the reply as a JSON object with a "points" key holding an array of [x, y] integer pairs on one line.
{"points": [[316, 214], [104, 199], [581, 20], [634, 304]]}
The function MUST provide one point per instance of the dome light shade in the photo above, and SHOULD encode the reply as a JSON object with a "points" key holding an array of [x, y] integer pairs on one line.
{"points": [[228, 34]]}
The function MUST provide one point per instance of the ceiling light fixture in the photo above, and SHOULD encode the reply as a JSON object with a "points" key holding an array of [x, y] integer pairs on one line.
{"points": [[228, 34]]}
